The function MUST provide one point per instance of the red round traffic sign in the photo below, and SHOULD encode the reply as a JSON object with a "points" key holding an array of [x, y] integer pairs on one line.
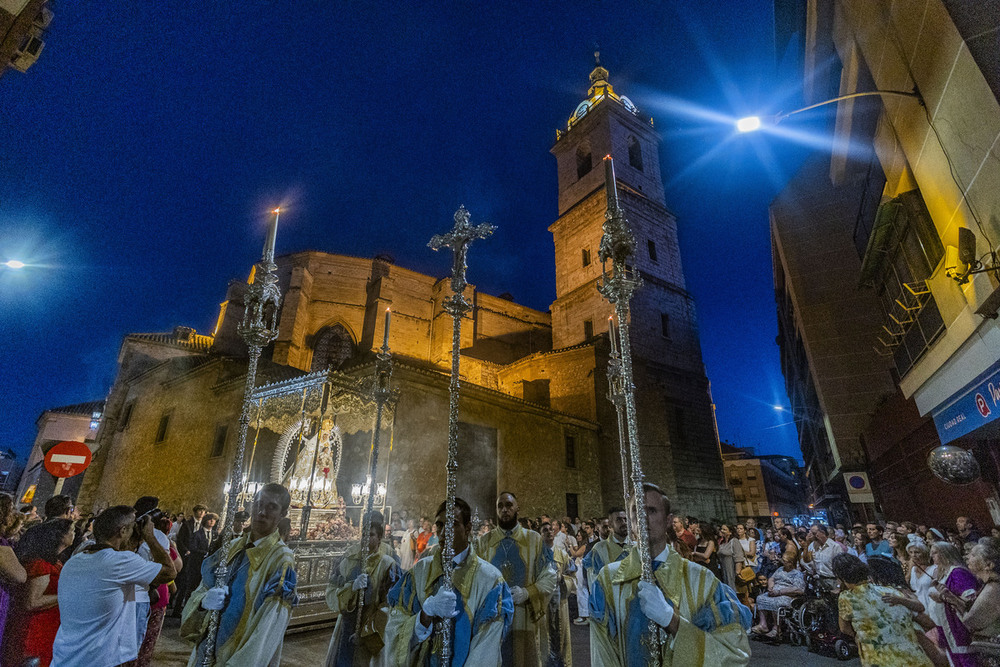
{"points": [[67, 459]]}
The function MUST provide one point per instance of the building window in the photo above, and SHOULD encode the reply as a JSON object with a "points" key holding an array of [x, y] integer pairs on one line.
{"points": [[751, 474], [332, 347], [678, 430], [634, 153], [586, 257], [651, 247], [219, 444], [583, 162], [665, 325], [588, 329], [572, 505], [162, 428], [126, 416], [570, 451]]}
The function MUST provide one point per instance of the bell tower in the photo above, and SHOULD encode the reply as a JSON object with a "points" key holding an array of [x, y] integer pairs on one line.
{"points": [[676, 415]]}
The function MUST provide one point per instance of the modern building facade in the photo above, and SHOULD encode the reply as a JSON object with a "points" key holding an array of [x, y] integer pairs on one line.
{"points": [[764, 487], [534, 412], [883, 252], [23, 25]]}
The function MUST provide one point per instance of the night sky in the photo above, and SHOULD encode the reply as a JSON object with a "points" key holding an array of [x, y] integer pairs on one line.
{"points": [[141, 154]]}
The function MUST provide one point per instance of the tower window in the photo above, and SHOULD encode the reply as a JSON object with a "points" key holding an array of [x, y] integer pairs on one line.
{"points": [[583, 162], [572, 505], [162, 428], [651, 246], [588, 329], [665, 325], [634, 153], [570, 451], [219, 444], [586, 257], [332, 347]]}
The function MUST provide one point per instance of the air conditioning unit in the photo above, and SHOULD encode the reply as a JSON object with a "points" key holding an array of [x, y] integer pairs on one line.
{"points": [[43, 19], [26, 56]]}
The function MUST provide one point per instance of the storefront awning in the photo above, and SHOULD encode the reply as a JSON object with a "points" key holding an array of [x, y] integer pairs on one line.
{"points": [[973, 406]]}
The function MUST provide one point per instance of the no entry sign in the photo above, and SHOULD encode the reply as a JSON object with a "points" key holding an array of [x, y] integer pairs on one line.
{"points": [[67, 459]]}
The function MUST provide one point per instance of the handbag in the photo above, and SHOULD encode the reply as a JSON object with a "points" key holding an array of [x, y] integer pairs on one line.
{"points": [[746, 574]]}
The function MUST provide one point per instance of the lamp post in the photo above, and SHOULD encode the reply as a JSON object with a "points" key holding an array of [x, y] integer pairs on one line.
{"points": [[754, 123]]}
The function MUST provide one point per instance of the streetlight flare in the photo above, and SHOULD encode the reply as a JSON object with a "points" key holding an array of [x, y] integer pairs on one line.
{"points": [[14, 264], [748, 124]]}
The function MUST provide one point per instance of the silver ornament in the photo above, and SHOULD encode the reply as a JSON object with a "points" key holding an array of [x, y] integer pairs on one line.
{"points": [[953, 464]]}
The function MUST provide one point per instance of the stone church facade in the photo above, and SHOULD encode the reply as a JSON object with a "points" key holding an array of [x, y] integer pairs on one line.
{"points": [[534, 413]]}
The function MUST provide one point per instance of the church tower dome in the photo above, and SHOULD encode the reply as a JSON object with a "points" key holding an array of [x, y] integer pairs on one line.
{"points": [[600, 90]]}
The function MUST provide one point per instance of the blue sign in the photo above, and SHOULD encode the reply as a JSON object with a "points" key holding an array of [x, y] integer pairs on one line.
{"points": [[977, 404]]}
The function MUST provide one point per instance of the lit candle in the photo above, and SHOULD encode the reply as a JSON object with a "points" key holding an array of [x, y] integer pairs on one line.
{"points": [[611, 334], [609, 182], [385, 338], [272, 235]]}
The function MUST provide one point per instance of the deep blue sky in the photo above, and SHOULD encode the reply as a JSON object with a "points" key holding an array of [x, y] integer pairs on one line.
{"points": [[139, 156]]}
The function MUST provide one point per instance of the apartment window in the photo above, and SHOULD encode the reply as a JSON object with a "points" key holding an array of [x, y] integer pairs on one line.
{"points": [[754, 492], [651, 247], [570, 451], [665, 325], [588, 329], [163, 427], [586, 257], [126, 416], [751, 474], [583, 162], [634, 153], [219, 444], [572, 505]]}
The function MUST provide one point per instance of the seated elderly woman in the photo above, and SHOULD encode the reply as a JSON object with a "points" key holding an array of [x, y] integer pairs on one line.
{"points": [[981, 615], [782, 587]]}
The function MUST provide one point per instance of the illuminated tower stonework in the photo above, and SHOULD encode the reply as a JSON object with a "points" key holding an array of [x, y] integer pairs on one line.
{"points": [[680, 448]]}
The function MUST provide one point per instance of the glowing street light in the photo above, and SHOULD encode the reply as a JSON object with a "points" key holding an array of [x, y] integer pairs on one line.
{"points": [[14, 264], [754, 123]]}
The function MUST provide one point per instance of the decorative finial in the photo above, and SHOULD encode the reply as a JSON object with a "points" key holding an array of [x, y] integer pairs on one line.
{"points": [[597, 56]]}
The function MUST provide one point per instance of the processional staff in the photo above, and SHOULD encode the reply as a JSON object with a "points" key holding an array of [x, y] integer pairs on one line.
{"points": [[616, 394], [382, 395], [458, 240], [618, 245], [258, 328]]}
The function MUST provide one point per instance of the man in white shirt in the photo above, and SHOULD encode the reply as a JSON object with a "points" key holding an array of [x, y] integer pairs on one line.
{"points": [[147, 506], [97, 588], [818, 557]]}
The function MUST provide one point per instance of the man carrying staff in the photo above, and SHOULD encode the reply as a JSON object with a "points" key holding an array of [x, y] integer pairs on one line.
{"points": [[521, 557], [700, 619], [345, 588], [479, 606], [553, 631], [611, 549], [257, 601]]}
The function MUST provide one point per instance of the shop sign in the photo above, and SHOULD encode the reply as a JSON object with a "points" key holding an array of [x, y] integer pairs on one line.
{"points": [[977, 404]]}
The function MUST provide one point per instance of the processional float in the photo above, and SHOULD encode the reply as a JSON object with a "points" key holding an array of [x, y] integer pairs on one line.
{"points": [[458, 239], [618, 286]]}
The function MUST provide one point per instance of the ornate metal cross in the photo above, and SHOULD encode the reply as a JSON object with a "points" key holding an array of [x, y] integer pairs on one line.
{"points": [[258, 328], [618, 245], [458, 240]]}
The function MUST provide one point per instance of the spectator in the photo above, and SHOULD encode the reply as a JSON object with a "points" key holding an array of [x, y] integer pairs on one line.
{"points": [[887, 572], [981, 616], [784, 585], [200, 546], [885, 633], [189, 527], [11, 571], [921, 579], [858, 546], [30, 512], [408, 546], [818, 557], [967, 529], [706, 551], [787, 543], [877, 544], [147, 506], [683, 534], [731, 559], [424, 536], [35, 617], [952, 578], [97, 607], [897, 543], [60, 507], [158, 603]]}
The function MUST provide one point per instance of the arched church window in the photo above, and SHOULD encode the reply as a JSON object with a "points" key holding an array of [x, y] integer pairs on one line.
{"points": [[332, 348], [634, 153], [583, 161]]}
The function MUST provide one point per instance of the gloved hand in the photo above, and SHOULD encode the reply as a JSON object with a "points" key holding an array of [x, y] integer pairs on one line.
{"points": [[360, 582], [654, 605], [518, 594], [215, 598], [442, 604]]}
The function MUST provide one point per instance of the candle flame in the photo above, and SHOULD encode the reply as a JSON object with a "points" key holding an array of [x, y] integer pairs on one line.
{"points": [[277, 210], [608, 156]]}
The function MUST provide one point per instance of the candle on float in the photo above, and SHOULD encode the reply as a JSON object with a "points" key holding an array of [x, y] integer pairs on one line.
{"points": [[272, 235], [385, 338], [611, 335], [609, 182]]}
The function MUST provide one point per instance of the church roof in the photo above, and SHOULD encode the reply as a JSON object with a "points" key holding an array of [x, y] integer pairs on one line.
{"points": [[80, 408], [600, 90], [182, 337]]}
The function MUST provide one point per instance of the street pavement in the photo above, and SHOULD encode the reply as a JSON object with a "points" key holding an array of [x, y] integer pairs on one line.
{"points": [[308, 649]]}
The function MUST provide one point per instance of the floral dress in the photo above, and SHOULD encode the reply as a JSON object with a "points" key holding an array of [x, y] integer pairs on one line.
{"points": [[886, 634]]}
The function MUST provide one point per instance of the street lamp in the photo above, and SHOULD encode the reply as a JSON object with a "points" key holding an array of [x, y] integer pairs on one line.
{"points": [[753, 123], [14, 264]]}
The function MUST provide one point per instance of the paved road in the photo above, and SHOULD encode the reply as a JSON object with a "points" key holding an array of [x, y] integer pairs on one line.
{"points": [[307, 649]]}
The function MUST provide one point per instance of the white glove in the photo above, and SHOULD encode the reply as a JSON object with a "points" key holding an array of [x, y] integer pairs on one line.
{"points": [[215, 598], [518, 594], [360, 583], [654, 605], [443, 604]]}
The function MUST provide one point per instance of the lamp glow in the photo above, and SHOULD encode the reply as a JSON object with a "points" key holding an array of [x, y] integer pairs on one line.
{"points": [[748, 124], [14, 264]]}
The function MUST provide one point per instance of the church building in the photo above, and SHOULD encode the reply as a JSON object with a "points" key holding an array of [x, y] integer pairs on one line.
{"points": [[534, 413]]}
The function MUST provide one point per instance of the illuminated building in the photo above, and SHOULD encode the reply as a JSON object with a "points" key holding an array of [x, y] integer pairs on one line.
{"points": [[23, 24]]}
